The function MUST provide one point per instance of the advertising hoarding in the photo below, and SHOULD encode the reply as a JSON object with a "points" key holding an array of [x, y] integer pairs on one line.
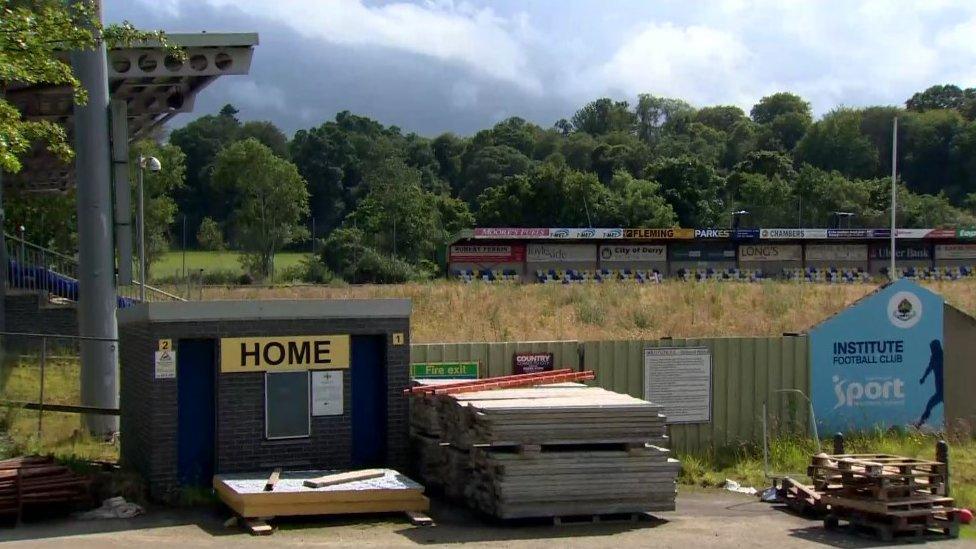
{"points": [[619, 253], [542, 253], [789, 234], [837, 252], [770, 252], [487, 253], [659, 234], [511, 232], [531, 363], [955, 251], [904, 251], [879, 363]]}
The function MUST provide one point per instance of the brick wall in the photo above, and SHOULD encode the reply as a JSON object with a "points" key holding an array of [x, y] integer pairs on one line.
{"points": [[149, 411], [31, 312]]}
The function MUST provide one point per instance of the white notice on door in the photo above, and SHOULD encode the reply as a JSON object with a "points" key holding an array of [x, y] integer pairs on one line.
{"points": [[327, 393], [680, 380]]}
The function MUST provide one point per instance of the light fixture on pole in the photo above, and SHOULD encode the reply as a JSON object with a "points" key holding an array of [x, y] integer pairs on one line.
{"points": [[843, 215], [152, 164], [735, 217]]}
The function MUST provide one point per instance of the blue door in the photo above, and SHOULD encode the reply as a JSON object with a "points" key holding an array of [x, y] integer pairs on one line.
{"points": [[196, 417], [368, 400]]}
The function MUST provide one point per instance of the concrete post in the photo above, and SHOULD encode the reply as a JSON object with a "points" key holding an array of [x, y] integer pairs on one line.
{"points": [[120, 174], [96, 267]]}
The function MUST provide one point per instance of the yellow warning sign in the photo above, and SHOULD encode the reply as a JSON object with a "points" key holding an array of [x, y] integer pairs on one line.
{"points": [[284, 353]]}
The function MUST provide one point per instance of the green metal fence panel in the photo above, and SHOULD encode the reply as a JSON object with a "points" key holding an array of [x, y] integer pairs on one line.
{"points": [[496, 357], [746, 373]]}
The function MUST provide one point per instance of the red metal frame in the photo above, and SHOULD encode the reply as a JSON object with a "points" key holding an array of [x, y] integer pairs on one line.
{"points": [[518, 380]]}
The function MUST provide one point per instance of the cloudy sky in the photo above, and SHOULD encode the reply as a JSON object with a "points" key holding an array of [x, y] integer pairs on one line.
{"points": [[437, 65]]}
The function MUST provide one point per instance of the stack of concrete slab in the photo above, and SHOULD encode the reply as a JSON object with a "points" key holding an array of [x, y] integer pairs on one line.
{"points": [[555, 450]]}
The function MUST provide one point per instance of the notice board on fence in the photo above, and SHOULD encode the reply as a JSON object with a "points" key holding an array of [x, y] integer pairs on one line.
{"points": [[680, 380]]}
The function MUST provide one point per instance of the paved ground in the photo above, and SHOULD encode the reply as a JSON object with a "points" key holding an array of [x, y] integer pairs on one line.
{"points": [[703, 519]]}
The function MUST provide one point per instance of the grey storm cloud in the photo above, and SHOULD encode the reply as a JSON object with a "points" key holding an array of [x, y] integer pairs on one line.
{"points": [[438, 65], [299, 82]]}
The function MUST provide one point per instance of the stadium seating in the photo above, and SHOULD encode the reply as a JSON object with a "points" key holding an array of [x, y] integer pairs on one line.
{"points": [[935, 273], [832, 275], [574, 276], [731, 274], [486, 275]]}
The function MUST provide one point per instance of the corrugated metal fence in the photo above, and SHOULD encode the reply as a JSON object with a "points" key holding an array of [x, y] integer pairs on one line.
{"points": [[496, 358], [745, 373]]}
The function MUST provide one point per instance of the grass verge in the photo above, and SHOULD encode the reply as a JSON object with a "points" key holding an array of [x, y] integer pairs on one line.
{"points": [[171, 263]]}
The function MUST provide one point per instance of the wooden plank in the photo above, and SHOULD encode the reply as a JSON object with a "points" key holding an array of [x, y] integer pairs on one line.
{"points": [[419, 519], [272, 480], [258, 527], [342, 478]]}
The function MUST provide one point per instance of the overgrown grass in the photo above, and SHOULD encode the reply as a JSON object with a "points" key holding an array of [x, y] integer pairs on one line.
{"points": [[446, 311], [171, 263], [61, 434]]}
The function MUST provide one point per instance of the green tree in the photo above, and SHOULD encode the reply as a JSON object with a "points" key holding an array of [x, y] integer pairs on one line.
{"points": [[654, 114], [641, 203], [270, 199], [401, 218], [835, 143], [158, 190], [201, 140], [721, 117], [947, 96], [768, 199], [49, 218], [268, 134], [692, 187], [489, 166], [784, 117], [210, 236], [604, 116], [33, 37]]}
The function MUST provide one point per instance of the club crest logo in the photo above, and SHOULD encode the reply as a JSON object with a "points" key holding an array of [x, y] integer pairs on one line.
{"points": [[904, 309]]}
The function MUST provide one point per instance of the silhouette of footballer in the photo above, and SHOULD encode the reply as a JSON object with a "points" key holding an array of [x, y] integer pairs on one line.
{"points": [[935, 367]]}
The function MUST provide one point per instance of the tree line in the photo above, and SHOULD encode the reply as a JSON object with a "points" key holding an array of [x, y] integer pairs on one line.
{"points": [[381, 202]]}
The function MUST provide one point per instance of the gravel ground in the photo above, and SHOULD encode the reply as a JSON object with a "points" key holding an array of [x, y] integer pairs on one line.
{"points": [[703, 519]]}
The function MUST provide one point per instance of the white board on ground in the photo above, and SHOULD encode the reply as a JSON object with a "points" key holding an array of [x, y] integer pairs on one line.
{"points": [[680, 380], [327, 393]]}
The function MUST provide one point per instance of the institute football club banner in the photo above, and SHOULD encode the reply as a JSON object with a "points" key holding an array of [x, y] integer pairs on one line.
{"points": [[879, 363]]}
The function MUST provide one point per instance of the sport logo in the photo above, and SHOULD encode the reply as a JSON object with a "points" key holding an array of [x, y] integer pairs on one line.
{"points": [[904, 309], [880, 392]]}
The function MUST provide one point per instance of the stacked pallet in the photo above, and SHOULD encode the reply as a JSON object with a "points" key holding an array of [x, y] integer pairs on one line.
{"points": [[31, 483], [891, 495], [555, 450]]}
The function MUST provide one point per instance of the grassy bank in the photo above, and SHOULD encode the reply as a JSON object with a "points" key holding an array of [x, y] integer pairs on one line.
{"points": [[449, 312], [171, 263]]}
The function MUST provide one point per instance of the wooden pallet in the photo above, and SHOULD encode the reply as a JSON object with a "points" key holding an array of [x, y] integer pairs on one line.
{"points": [[800, 497], [920, 504], [893, 526]]}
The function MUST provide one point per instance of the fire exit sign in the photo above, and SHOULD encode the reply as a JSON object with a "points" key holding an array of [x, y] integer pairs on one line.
{"points": [[444, 370]]}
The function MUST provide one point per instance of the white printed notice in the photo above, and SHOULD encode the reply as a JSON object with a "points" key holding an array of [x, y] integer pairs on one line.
{"points": [[680, 380], [327, 393]]}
